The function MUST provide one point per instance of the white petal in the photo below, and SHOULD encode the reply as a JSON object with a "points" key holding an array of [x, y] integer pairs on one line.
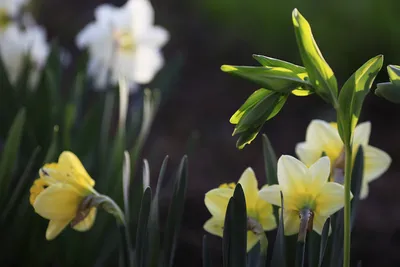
{"points": [[362, 133], [308, 154], [148, 62], [330, 199], [293, 175], [142, 15], [249, 183], [376, 163], [155, 37], [214, 226], [320, 172], [318, 223], [216, 201], [271, 194], [54, 228], [291, 222]]}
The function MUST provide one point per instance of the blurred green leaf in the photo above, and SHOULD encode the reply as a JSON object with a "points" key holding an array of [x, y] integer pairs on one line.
{"points": [[277, 79], [389, 91], [394, 74], [52, 152], [352, 96], [142, 242], [270, 161], [320, 74], [273, 62], [9, 155], [356, 182], [206, 254], [279, 252], [324, 241], [175, 214]]}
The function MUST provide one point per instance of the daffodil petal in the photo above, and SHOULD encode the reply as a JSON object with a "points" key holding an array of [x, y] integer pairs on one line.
{"points": [[69, 161], [214, 226], [318, 223], [252, 240], [265, 215], [321, 134], [86, 223], [364, 190], [216, 201], [376, 163], [320, 172], [362, 133], [291, 222], [55, 227], [307, 154], [249, 183], [330, 199], [293, 175], [58, 202], [271, 194]]}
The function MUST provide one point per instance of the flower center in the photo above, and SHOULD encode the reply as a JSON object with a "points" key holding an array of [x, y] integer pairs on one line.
{"points": [[38, 186], [4, 18], [124, 41]]}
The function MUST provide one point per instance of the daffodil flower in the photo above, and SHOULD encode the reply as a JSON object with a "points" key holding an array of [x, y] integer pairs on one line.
{"points": [[59, 195], [304, 189], [123, 43], [259, 212], [8, 10], [323, 137]]}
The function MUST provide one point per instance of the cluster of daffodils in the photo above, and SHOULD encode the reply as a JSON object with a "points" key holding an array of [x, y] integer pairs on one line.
{"points": [[311, 184], [22, 41], [123, 43]]}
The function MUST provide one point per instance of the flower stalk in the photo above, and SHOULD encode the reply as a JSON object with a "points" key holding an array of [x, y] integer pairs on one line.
{"points": [[347, 207]]}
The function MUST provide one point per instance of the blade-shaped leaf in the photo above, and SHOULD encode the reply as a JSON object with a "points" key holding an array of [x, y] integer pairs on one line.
{"points": [[273, 62], [10, 152], [320, 74], [273, 78], [324, 241], [142, 241], [356, 182], [352, 96], [270, 161], [206, 254], [389, 91], [175, 214], [279, 252]]}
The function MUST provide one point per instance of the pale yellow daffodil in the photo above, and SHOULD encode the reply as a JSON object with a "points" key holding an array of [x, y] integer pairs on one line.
{"points": [[324, 137], [59, 194], [304, 188], [258, 210]]}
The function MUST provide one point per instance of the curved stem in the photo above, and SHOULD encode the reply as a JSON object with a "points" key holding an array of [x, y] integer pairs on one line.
{"points": [[347, 207]]}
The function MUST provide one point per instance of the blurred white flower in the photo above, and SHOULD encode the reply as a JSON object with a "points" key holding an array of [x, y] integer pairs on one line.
{"points": [[9, 9], [123, 43], [18, 45]]}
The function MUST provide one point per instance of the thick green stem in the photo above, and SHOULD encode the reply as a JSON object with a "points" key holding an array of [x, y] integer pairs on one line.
{"points": [[347, 207]]}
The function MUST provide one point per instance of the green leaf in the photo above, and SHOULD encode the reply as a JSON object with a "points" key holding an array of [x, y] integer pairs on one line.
{"points": [[279, 252], [320, 74], [356, 182], [273, 62], [324, 241], [394, 74], [142, 241], [352, 96], [256, 114], [389, 91], [206, 254], [273, 78], [270, 161], [235, 230], [51, 154], [175, 214], [10, 152]]}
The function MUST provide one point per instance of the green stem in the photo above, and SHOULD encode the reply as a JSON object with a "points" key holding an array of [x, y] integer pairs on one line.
{"points": [[347, 207]]}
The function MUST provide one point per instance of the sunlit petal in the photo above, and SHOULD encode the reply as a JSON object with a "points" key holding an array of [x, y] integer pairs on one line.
{"points": [[320, 172], [271, 194], [318, 223], [214, 226], [69, 161], [291, 222], [249, 183], [330, 199], [216, 201], [88, 222], [265, 215], [55, 227], [252, 240], [307, 154], [376, 163], [362, 133], [293, 175]]}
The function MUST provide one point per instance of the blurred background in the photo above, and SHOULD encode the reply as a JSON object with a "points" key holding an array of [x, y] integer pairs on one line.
{"points": [[206, 34]]}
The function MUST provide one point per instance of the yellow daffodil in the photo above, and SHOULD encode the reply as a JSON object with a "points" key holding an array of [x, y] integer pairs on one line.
{"points": [[304, 188], [59, 193], [324, 137], [258, 211]]}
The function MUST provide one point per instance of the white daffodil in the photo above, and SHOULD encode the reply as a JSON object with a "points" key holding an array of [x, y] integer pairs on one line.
{"points": [[123, 43], [8, 10], [17, 45], [324, 137]]}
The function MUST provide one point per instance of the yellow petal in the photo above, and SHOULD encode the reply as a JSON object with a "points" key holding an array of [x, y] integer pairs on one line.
{"points": [[321, 134], [320, 172], [318, 223], [330, 199], [216, 201], [252, 240], [271, 194], [293, 175], [86, 223], [58, 202], [249, 183], [69, 160], [376, 163], [291, 222], [265, 215], [307, 154], [214, 226], [55, 227], [361, 134]]}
